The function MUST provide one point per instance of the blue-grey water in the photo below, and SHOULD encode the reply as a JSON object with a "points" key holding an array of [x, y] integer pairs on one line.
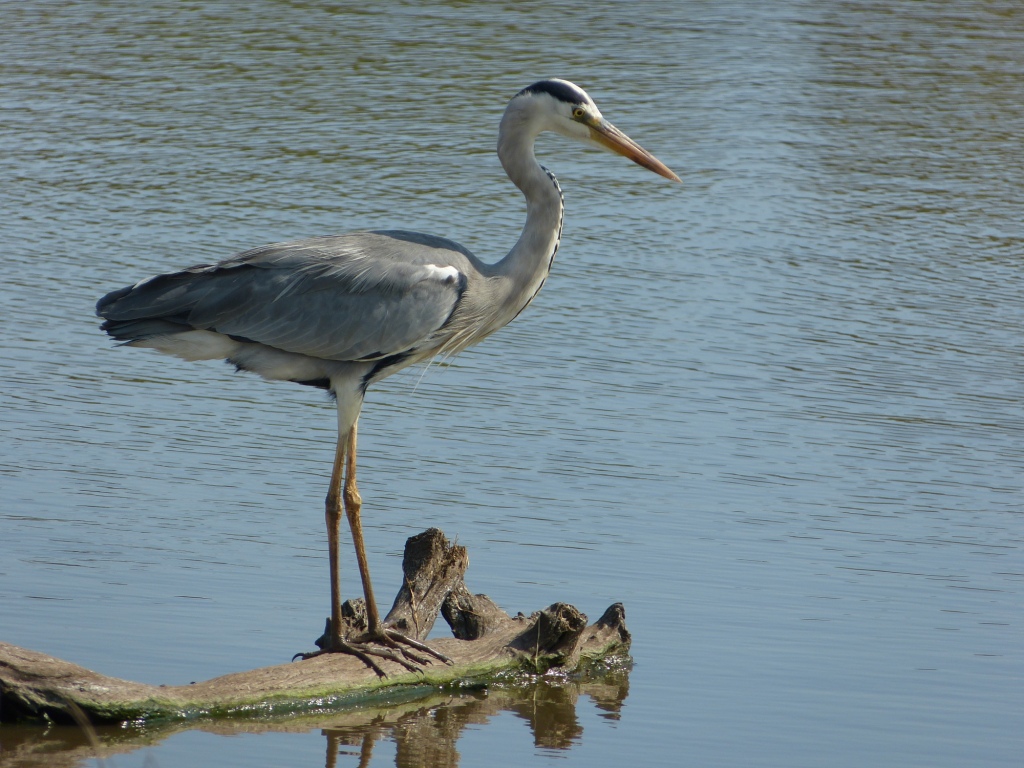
{"points": [[775, 410]]}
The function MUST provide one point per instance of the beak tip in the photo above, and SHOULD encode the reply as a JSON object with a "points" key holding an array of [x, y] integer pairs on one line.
{"points": [[610, 137], [663, 170]]}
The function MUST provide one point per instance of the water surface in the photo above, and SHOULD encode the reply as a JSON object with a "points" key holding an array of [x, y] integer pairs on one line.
{"points": [[775, 410]]}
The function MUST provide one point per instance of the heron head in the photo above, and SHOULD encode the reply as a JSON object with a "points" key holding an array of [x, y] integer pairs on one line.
{"points": [[565, 108]]}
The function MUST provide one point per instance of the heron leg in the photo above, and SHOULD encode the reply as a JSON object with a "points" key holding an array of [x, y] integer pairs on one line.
{"points": [[334, 641], [375, 630], [353, 506], [333, 516], [363, 646]]}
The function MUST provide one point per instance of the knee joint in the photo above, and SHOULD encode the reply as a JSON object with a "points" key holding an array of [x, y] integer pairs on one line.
{"points": [[352, 497]]}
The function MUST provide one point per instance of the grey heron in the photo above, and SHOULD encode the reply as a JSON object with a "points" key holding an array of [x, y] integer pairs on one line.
{"points": [[343, 312]]}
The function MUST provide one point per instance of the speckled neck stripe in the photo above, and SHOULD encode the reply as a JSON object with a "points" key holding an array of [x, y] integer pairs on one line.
{"points": [[558, 239]]}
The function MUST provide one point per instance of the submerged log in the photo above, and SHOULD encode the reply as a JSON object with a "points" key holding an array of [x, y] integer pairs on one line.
{"points": [[487, 641]]}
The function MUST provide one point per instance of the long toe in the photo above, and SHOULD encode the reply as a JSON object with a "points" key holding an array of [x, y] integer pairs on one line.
{"points": [[398, 637], [399, 657], [360, 652]]}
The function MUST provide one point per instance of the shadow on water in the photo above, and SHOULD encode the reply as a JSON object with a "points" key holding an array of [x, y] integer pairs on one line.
{"points": [[425, 730]]}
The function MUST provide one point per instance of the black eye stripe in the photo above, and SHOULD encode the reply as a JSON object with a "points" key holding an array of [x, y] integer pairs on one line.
{"points": [[559, 89]]}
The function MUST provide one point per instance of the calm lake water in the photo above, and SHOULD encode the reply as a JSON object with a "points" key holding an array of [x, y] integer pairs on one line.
{"points": [[775, 410]]}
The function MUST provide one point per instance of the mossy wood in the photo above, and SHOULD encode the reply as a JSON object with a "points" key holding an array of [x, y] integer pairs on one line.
{"points": [[487, 641]]}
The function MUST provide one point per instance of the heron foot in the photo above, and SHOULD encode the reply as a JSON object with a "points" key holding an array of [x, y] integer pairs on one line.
{"points": [[366, 652], [385, 644]]}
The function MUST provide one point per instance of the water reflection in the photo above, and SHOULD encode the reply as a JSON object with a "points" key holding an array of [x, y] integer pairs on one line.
{"points": [[425, 730]]}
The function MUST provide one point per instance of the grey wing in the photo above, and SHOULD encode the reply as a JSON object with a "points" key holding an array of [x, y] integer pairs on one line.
{"points": [[362, 296]]}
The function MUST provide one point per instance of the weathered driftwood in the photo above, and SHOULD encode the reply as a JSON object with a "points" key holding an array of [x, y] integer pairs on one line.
{"points": [[547, 703], [34, 686]]}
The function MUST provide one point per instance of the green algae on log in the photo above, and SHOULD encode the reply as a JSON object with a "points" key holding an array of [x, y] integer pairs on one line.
{"points": [[487, 643], [416, 722]]}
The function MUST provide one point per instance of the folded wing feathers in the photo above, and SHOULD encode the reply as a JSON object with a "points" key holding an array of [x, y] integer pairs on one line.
{"points": [[341, 298]]}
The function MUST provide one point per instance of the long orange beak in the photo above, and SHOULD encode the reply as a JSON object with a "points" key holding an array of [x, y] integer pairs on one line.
{"points": [[607, 135]]}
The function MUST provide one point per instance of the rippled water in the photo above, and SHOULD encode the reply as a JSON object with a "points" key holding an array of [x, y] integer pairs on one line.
{"points": [[776, 410]]}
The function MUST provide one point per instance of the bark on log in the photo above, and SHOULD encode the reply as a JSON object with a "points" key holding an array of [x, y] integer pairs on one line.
{"points": [[34, 686]]}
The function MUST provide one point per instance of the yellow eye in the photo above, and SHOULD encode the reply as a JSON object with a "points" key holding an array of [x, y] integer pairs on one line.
{"points": [[579, 113]]}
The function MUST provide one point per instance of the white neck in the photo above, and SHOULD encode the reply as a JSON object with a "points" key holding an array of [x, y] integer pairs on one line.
{"points": [[526, 266]]}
